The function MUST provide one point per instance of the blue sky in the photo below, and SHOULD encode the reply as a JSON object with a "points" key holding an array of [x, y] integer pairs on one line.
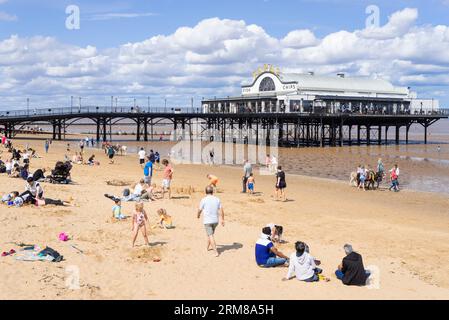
{"points": [[107, 26]]}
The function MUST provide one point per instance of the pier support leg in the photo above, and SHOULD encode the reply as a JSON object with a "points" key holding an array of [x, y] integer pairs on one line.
{"points": [[98, 130], [379, 137], [145, 130], [397, 134], [105, 138], [386, 135], [350, 135], [138, 130], [368, 135], [407, 128], [340, 133], [54, 131], [425, 134], [358, 134], [59, 130]]}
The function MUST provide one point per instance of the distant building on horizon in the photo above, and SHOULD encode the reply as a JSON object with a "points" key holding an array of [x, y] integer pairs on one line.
{"points": [[274, 92]]}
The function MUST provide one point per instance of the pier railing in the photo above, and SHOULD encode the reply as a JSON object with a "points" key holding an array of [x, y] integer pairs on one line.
{"points": [[163, 110]]}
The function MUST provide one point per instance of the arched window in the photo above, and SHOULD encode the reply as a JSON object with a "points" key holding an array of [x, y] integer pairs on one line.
{"points": [[267, 84]]}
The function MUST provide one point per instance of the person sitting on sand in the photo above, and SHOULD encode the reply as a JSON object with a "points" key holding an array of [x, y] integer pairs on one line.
{"points": [[77, 158], [154, 192], [139, 222], [351, 271], [24, 172], [267, 255], [117, 210], [15, 172], [8, 166], [33, 191], [92, 162], [39, 174], [276, 232], [250, 183], [165, 220], [302, 265]]}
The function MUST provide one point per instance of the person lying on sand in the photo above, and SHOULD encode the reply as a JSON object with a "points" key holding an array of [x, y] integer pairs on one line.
{"points": [[139, 222], [267, 255], [9, 198], [302, 265], [165, 220]]}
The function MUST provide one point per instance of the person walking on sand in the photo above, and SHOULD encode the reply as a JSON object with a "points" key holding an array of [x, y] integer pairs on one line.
{"points": [[142, 154], [281, 185], [212, 210], [111, 153], [148, 171], [247, 170], [167, 178], [139, 222], [250, 183], [380, 171], [47, 145], [394, 180]]}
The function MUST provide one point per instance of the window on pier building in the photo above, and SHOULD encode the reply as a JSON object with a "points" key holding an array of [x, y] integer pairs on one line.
{"points": [[267, 84]]}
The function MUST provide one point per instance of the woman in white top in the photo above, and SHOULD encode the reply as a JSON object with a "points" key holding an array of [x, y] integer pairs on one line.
{"points": [[302, 265]]}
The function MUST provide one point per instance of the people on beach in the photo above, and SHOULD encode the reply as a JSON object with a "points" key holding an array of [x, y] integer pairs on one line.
{"points": [[165, 220], [33, 191], [111, 153], [394, 179], [267, 255], [24, 172], [351, 270], [148, 171], [281, 185], [39, 174], [247, 171], [302, 265], [213, 181], [213, 213], [117, 210], [142, 155], [380, 171], [47, 145], [139, 223], [362, 177], [276, 232], [250, 182], [167, 178], [211, 156]]}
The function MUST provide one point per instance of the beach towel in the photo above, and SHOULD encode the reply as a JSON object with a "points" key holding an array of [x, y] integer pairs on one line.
{"points": [[28, 255]]}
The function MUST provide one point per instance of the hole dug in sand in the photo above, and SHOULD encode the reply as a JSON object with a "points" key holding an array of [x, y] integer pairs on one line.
{"points": [[146, 254], [118, 183]]}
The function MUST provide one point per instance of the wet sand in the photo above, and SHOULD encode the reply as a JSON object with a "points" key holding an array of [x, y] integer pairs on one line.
{"points": [[404, 234]]}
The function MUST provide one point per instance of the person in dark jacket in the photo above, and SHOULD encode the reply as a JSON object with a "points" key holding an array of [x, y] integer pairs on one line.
{"points": [[351, 271]]}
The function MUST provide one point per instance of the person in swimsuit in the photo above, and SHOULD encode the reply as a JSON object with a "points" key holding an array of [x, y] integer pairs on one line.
{"points": [[213, 181], [250, 183], [139, 222]]}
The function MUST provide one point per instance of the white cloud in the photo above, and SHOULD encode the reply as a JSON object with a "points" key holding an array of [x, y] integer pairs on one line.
{"points": [[215, 56], [110, 16], [7, 17]]}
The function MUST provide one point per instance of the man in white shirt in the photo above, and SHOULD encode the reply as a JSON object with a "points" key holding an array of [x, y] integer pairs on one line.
{"points": [[210, 207], [142, 154]]}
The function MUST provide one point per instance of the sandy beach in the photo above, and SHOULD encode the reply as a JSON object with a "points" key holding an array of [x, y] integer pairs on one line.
{"points": [[405, 235]]}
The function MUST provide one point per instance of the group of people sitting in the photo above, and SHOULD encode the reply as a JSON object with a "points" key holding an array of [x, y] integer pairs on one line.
{"points": [[141, 191], [302, 265]]}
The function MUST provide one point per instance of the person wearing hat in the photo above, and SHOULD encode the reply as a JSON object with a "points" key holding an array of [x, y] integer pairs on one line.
{"points": [[351, 271], [33, 191]]}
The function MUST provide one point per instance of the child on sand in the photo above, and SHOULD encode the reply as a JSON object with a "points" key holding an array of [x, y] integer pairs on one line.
{"points": [[250, 183], [213, 181], [165, 220], [139, 222], [117, 210]]}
